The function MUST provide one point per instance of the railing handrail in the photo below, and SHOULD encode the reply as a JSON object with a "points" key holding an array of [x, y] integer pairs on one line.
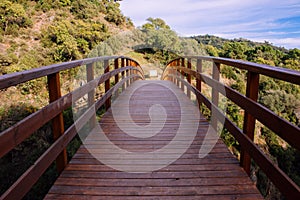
{"points": [[14, 135], [178, 68], [16, 78], [285, 74]]}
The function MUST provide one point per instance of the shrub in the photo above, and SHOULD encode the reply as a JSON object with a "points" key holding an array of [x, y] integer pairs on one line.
{"points": [[13, 17]]}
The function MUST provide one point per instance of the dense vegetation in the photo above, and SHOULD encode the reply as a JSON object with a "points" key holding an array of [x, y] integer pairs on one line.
{"points": [[42, 32]]}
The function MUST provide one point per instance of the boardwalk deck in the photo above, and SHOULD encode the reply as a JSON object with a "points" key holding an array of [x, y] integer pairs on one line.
{"points": [[118, 176]]}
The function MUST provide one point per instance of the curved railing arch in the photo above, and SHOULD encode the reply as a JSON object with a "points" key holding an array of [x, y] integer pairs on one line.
{"points": [[176, 71], [129, 69]]}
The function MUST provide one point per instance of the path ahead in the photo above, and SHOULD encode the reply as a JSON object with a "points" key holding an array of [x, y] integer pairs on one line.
{"points": [[165, 149]]}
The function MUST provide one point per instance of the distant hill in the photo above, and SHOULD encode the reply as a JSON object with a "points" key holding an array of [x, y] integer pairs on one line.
{"points": [[219, 42]]}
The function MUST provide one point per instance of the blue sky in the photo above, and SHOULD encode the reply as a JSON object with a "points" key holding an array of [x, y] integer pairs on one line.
{"points": [[276, 21]]}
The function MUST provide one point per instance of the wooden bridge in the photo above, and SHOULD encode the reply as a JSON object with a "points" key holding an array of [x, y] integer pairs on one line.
{"points": [[152, 142]]}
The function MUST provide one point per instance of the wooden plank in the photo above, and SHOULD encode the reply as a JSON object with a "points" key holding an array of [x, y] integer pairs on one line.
{"points": [[171, 197], [156, 191]]}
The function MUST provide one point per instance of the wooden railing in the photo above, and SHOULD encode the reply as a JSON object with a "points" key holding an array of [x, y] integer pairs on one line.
{"points": [[178, 69], [130, 71]]}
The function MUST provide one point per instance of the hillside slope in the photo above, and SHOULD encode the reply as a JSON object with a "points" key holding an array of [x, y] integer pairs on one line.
{"points": [[54, 31]]}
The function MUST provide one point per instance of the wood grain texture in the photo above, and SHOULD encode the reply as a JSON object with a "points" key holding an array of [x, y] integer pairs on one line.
{"points": [[216, 176]]}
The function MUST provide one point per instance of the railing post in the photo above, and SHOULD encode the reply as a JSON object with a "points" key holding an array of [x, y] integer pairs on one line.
{"points": [[91, 94], [123, 72], [177, 74], [198, 83], [182, 73], [116, 67], [58, 121], [249, 120], [133, 64], [127, 73], [215, 93], [107, 84], [130, 71], [189, 77]]}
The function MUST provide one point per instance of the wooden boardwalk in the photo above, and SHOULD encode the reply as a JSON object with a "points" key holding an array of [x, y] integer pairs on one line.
{"points": [[97, 171]]}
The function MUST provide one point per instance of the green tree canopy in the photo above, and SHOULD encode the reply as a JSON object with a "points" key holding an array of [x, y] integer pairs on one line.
{"points": [[155, 24]]}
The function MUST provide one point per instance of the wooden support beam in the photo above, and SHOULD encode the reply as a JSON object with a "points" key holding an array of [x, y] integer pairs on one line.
{"points": [[249, 120], [91, 94], [215, 94], [116, 67], [127, 74], [189, 77], [182, 73], [198, 81], [123, 73], [58, 121], [107, 84]]}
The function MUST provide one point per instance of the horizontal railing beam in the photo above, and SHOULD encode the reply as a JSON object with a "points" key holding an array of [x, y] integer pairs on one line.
{"points": [[16, 78], [288, 75]]}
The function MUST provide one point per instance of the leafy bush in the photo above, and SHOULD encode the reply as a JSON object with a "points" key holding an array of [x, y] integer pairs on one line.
{"points": [[114, 14], [12, 17], [83, 9], [71, 40]]}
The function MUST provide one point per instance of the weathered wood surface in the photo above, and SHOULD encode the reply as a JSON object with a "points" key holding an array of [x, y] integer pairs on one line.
{"points": [[216, 176]]}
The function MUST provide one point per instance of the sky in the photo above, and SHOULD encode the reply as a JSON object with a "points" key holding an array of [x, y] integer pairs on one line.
{"points": [[275, 21]]}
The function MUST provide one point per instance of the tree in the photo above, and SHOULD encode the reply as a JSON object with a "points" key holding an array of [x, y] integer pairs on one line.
{"points": [[155, 24], [234, 50], [114, 14]]}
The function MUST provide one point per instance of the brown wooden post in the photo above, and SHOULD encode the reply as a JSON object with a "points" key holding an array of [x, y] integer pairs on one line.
{"points": [[130, 71], [176, 72], [215, 94], [123, 73], [177, 75], [107, 84], [133, 64], [172, 72], [189, 77], [249, 120], [116, 67], [198, 83], [127, 74], [58, 121], [91, 94], [182, 74]]}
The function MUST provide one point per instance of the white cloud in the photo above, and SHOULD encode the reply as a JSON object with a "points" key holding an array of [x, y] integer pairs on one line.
{"points": [[222, 17]]}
